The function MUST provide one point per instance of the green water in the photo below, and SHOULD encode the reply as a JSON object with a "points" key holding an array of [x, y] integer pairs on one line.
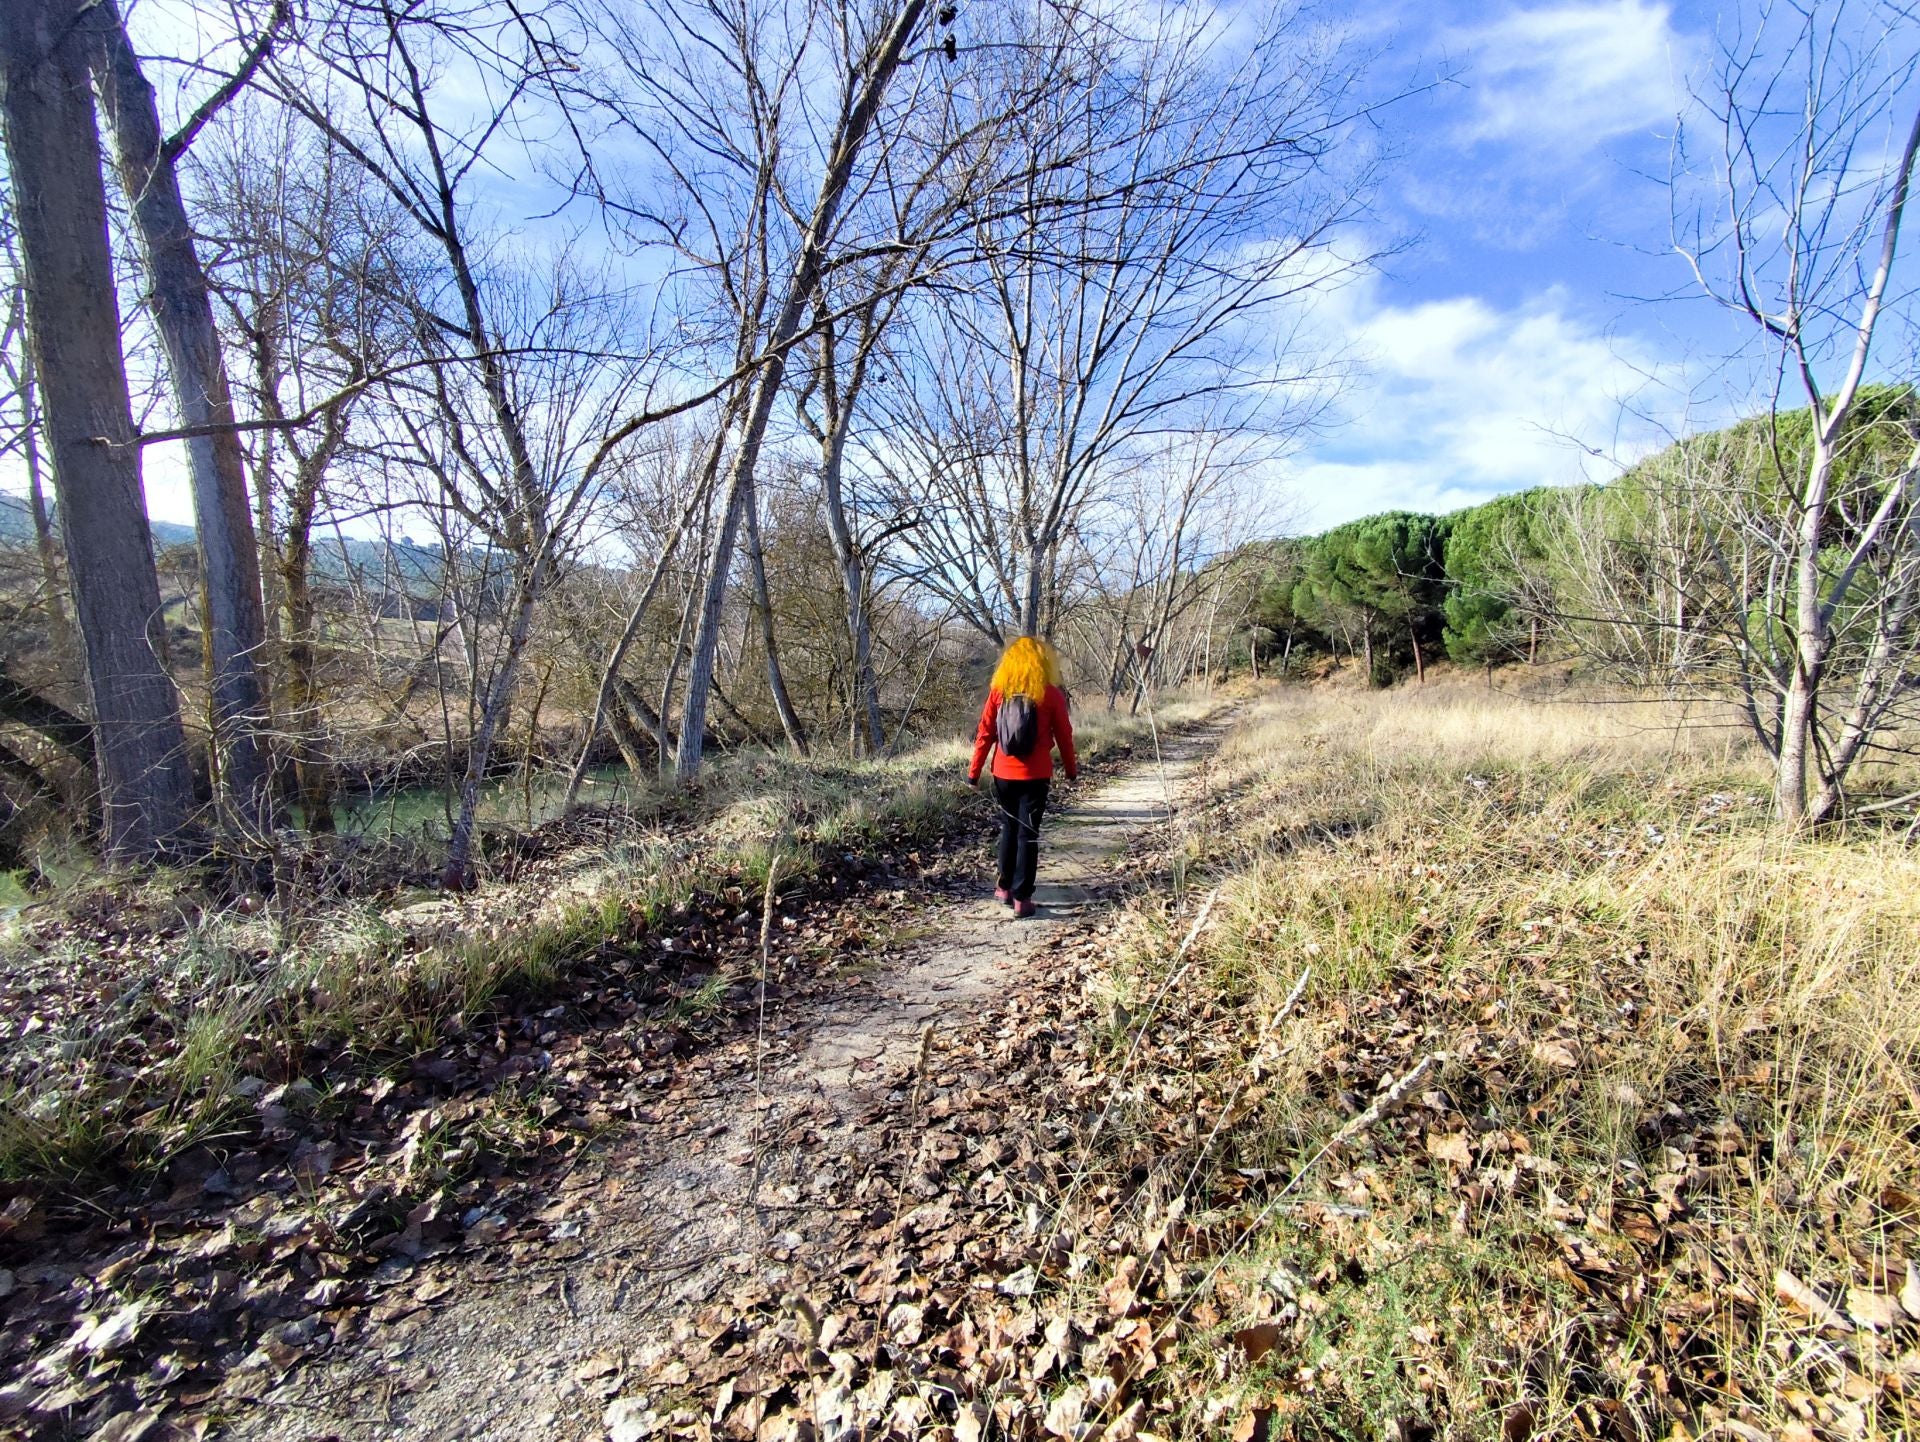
{"points": [[422, 811]]}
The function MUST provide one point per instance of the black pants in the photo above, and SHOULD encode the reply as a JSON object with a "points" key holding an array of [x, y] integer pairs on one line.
{"points": [[1022, 804]]}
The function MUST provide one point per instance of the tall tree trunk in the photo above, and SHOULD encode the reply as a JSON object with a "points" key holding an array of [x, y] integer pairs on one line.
{"points": [[763, 603], [853, 582], [610, 673], [1799, 711], [840, 404], [312, 768], [670, 682], [73, 327], [800, 286], [223, 521]]}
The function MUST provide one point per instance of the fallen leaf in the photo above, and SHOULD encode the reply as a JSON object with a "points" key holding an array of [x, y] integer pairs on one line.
{"points": [[1122, 1287], [1804, 1300], [1066, 1411], [128, 1426], [1021, 1283], [1872, 1309], [1258, 1340], [1555, 1054], [629, 1419]]}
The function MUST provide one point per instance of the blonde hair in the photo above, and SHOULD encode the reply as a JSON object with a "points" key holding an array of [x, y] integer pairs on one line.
{"points": [[1027, 668]]}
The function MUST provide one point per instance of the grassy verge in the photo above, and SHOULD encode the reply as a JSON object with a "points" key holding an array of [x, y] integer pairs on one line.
{"points": [[146, 1022], [1657, 1175]]}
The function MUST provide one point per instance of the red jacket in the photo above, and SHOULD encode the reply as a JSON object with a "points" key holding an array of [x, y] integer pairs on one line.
{"points": [[1055, 727]]}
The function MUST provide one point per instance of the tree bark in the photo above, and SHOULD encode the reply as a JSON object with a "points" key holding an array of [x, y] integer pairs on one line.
{"points": [[182, 311], [73, 326], [763, 603]]}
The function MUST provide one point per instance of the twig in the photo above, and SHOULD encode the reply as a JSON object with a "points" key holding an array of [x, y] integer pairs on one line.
{"points": [[1140, 1036], [1226, 1111]]}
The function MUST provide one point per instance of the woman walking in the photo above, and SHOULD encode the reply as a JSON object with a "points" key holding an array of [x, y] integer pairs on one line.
{"points": [[1024, 719]]}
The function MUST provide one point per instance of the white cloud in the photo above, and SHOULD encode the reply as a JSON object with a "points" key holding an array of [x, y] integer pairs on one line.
{"points": [[1571, 76], [1465, 401]]}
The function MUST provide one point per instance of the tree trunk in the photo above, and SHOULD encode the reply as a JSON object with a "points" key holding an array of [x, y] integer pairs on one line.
{"points": [[458, 873], [670, 682], [533, 740], [853, 580], [183, 315], [1419, 662], [610, 674], [693, 716], [631, 730], [312, 769], [1799, 711], [852, 133], [73, 326], [763, 602]]}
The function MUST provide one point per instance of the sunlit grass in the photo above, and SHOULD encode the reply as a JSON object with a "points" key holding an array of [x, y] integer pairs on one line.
{"points": [[1487, 877]]}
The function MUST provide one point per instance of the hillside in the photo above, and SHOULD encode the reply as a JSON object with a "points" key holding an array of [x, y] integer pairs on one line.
{"points": [[335, 559]]}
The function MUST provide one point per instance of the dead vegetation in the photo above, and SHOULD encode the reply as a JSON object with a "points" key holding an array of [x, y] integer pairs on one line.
{"points": [[217, 1132], [1462, 1065], [1520, 1081]]}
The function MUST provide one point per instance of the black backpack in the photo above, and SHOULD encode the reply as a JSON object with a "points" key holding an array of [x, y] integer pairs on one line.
{"points": [[1016, 728]]}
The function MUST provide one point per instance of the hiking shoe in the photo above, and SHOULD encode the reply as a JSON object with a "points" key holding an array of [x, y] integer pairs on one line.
{"points": [[1023, 909], [1001, 894]]}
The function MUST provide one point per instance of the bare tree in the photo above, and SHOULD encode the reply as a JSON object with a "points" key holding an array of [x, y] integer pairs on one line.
{"points": [[708, 103], [299, 266], [532, 386], [1800, 236], [1119, 294], [54, 159]]}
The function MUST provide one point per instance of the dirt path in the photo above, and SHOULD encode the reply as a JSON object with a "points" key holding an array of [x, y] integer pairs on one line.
{"points": [[744, 1179]]}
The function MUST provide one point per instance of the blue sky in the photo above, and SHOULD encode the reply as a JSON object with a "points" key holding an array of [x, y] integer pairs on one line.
{"points": [[1533, 325], [1512, 338]]}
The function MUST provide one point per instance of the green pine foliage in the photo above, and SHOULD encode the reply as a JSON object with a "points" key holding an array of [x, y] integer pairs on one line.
{"points": [[1487, 583]]}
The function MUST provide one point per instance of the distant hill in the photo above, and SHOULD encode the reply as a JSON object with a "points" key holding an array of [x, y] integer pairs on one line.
{"points": [[16, 525], [403, 565]]}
